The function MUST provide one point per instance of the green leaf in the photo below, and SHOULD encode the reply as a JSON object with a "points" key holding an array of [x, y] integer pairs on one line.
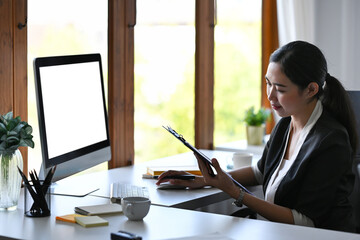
{"points": [[28, 129], [2, 146], [11, 125], [26, 132], [18, 127], [8, 116], [2, 120], [2, 129], [256, 119], [27, 143], [14, 133], [12, 149], [12, 140]]}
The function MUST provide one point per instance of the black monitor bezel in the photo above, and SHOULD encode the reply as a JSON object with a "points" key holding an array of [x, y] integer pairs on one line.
{"points": [[62, 60]]}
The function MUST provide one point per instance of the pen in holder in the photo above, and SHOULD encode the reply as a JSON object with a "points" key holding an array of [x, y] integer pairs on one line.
{"points": [[37, 201], [37, 194]]}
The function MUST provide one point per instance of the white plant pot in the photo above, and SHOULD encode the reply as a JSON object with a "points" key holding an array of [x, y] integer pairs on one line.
{"points": [[255, 134]]}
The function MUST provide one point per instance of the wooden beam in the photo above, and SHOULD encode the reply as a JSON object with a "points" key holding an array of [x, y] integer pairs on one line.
{"points": [[204, 74], [20, 103], [269, 43], [121, 80], [13, 61], [6, 57]]}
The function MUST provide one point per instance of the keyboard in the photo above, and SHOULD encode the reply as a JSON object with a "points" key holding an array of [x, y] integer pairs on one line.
{"points": [[121, 190]]}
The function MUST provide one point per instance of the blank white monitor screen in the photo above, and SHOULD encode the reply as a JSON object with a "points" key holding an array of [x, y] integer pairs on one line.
{"points": [[72, 97], [72, 112]]}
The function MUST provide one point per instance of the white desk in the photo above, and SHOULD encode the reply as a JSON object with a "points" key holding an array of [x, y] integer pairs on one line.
{"points": [[162, 221], [187, 199]]}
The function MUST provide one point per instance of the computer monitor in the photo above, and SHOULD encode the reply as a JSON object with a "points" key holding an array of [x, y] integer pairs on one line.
{"points": [[72, 113]]}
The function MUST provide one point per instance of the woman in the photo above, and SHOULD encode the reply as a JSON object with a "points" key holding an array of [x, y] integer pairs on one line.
{"points": [[306, 165]]}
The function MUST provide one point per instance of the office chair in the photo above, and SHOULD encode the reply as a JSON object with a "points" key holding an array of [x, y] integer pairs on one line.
{"points": [[355, 196], [357, 203]]}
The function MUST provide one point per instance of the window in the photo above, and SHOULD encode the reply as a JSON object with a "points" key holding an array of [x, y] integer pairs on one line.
{"points": [[164, 64], [237, 66], [164, 76], [62, 28]]}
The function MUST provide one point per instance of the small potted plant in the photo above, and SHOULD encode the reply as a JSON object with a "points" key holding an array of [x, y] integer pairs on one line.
{"points": [[255, 125], [14, 133]]}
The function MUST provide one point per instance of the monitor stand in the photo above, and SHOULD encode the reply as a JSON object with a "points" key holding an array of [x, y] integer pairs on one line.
{"points": [[66, 187]]}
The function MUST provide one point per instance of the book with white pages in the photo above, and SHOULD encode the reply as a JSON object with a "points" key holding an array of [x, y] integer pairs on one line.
{"points": [[101, 209]]}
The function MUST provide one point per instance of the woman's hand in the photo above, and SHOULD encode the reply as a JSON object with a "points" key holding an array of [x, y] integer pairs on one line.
{"points": [[221, 180], [198, 182]]}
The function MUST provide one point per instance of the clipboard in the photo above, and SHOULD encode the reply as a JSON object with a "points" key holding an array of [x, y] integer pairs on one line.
{"points": [[202, 156]]}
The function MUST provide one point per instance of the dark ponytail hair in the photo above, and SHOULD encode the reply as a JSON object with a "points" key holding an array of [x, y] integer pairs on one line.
{"points": [[304, 63], [336, 100]]}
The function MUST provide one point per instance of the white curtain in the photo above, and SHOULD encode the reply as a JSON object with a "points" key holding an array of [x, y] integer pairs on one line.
{"points": [[333, 26], [296, 20]]}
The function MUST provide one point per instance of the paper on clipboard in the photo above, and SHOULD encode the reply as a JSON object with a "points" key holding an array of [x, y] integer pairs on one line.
{"points": [[202, 156]]}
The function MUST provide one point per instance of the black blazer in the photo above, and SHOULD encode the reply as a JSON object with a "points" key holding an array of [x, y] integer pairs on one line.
{"points": [[320, 180]]}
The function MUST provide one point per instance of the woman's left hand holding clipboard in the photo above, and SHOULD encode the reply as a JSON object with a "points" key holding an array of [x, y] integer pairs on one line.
{"points": [[221, 180]]}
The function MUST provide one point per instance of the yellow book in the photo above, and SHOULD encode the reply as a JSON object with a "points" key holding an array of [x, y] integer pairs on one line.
{"points": [[91, 221], [157, 170]]}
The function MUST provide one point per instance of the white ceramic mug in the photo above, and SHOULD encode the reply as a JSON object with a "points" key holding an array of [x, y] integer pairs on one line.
{"points": [[135, 208], [242, 159]]}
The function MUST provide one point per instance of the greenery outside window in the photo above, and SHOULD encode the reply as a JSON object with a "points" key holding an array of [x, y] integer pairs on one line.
{"points": [[237, 66]]}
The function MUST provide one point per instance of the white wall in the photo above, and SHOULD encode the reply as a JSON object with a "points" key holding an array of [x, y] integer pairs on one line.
{"points": [[332, 25], [337, 33]]}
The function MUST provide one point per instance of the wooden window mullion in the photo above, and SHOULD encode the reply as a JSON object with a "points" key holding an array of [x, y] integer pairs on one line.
{"points": [[204, 74], [121, 80], [20, 102], [13, 58], [269, 43]]}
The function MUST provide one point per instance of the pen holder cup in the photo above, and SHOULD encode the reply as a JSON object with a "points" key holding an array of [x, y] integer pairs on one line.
{"points": [[37, 202]]}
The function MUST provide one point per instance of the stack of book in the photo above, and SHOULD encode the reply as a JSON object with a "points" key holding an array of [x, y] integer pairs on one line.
{"points": [[158, 170]]}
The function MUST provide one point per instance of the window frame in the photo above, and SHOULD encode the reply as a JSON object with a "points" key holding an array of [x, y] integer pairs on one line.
{"points": [[121, 23], [13, 58]]}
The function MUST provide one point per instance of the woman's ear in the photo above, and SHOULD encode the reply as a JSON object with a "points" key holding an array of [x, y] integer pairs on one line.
{"points": [[312, 89]]}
